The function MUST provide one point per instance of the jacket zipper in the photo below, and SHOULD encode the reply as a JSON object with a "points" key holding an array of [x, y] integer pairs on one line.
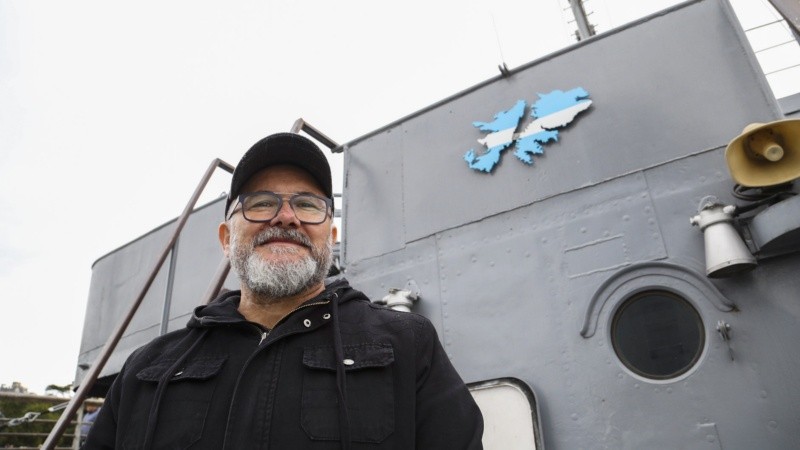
{"points": [[264, 334], [305, 305]]}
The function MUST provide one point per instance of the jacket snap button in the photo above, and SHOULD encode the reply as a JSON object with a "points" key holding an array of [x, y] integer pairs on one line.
{"points": [[326, 316], [307, 323], [348, 362]]}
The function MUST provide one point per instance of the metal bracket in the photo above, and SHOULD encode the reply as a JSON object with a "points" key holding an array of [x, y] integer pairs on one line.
{"points": [[724, 330], [401, 299], [504, 70]]}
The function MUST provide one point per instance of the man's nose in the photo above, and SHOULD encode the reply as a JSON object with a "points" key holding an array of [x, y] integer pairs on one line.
{"points": [[285, 216]]}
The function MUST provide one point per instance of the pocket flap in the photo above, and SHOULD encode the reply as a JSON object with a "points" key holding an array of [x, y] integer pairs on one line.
{"points": [[356, 357], [201, 368]]}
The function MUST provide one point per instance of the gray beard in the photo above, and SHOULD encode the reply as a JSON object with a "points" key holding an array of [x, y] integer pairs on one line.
{"points": [[275, 280]]}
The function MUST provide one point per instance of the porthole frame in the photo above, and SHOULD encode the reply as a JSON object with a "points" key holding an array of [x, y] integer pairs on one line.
{"points": [[680, 279], [629, 365]]}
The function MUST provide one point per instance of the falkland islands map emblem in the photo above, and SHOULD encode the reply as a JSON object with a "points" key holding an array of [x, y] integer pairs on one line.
{"points": [[552, 111]]}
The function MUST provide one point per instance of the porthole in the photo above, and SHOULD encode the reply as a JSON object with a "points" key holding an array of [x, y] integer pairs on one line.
{"points": [[657, 334]]}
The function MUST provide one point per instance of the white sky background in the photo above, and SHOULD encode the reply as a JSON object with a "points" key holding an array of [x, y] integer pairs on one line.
{"points": [[110, 112]]}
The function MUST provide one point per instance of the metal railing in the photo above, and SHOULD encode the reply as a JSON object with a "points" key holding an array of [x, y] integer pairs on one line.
{"points": [[73, 433], [213, 289], [219, 278]]}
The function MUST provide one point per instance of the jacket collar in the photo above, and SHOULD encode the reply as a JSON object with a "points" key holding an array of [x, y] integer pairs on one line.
{"points": [[224, 310]]}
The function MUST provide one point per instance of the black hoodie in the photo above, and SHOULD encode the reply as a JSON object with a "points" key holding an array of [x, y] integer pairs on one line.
{"points": [[338, 372]]}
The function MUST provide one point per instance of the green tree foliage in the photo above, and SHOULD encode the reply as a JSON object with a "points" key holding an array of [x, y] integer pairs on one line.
{"points": [[15, 406], [61, 390]]}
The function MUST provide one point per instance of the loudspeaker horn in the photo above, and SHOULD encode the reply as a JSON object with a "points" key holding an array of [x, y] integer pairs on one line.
{"points": [[726, 252], [765, 154]]}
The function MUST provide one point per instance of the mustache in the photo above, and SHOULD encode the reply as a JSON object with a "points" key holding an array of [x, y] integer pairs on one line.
{"points": [[283, 234]]}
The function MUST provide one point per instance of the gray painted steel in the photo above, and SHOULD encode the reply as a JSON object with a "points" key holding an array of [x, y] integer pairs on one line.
{"points": [[119, 276], [791, 106], [522, 270], [508, 262], [653, 100]]}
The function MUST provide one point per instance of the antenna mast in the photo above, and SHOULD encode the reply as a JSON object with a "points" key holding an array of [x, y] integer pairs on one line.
{"points": [[585, 30]]}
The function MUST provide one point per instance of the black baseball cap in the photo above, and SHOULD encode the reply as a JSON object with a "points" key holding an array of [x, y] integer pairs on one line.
{"points": [[281, 148]]}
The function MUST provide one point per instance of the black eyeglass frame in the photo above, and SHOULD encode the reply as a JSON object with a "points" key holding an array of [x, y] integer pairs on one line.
{"points": [[239, 206]]}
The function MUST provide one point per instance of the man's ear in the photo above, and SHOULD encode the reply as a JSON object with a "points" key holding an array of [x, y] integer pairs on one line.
{"points": [[334, 234], [225, 238]]}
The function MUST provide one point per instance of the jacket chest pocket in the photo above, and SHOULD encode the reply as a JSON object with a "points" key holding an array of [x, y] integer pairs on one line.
{"points": [[370, 393], [184, 404]]}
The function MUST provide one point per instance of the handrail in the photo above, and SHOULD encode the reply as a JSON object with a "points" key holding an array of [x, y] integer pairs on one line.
{"points": [[301, 125], [219, 278], [116, 335], [790, 11]]}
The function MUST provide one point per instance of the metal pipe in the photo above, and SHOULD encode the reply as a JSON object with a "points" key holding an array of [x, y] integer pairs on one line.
{"points": [[116, 335], [301, 124], [585, 30], [173, 258], [790, 11], [218, 280]]}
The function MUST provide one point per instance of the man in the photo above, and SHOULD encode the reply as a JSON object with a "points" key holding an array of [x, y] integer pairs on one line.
{"points": [[90, 415], [289, 362]]}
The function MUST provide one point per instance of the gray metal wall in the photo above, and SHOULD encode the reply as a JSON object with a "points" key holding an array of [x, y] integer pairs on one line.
{"points": [[515, 264], [791, 106], [118, 277], [508, 262]]}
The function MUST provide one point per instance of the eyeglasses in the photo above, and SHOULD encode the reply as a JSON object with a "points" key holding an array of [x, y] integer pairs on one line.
{"points": [[263, 206]]}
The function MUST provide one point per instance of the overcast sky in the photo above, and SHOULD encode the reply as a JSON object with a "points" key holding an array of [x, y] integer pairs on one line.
{"points": [[110, 112]]}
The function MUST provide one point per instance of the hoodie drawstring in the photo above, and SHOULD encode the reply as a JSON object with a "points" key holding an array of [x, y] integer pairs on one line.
{"points": [[341, 377], [152, 419]]}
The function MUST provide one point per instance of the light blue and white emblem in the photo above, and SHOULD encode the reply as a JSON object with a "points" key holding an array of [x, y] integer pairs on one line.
{"points": [[554, 110]]}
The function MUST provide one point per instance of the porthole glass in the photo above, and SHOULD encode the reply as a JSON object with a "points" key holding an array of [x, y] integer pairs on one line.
{"points": [[657, 334]]}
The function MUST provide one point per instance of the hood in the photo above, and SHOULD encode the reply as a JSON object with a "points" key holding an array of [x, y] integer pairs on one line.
{"points": [[224, 309]]}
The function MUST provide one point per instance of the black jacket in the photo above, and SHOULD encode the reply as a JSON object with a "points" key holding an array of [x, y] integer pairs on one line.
{"points": [[226, 383]]}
